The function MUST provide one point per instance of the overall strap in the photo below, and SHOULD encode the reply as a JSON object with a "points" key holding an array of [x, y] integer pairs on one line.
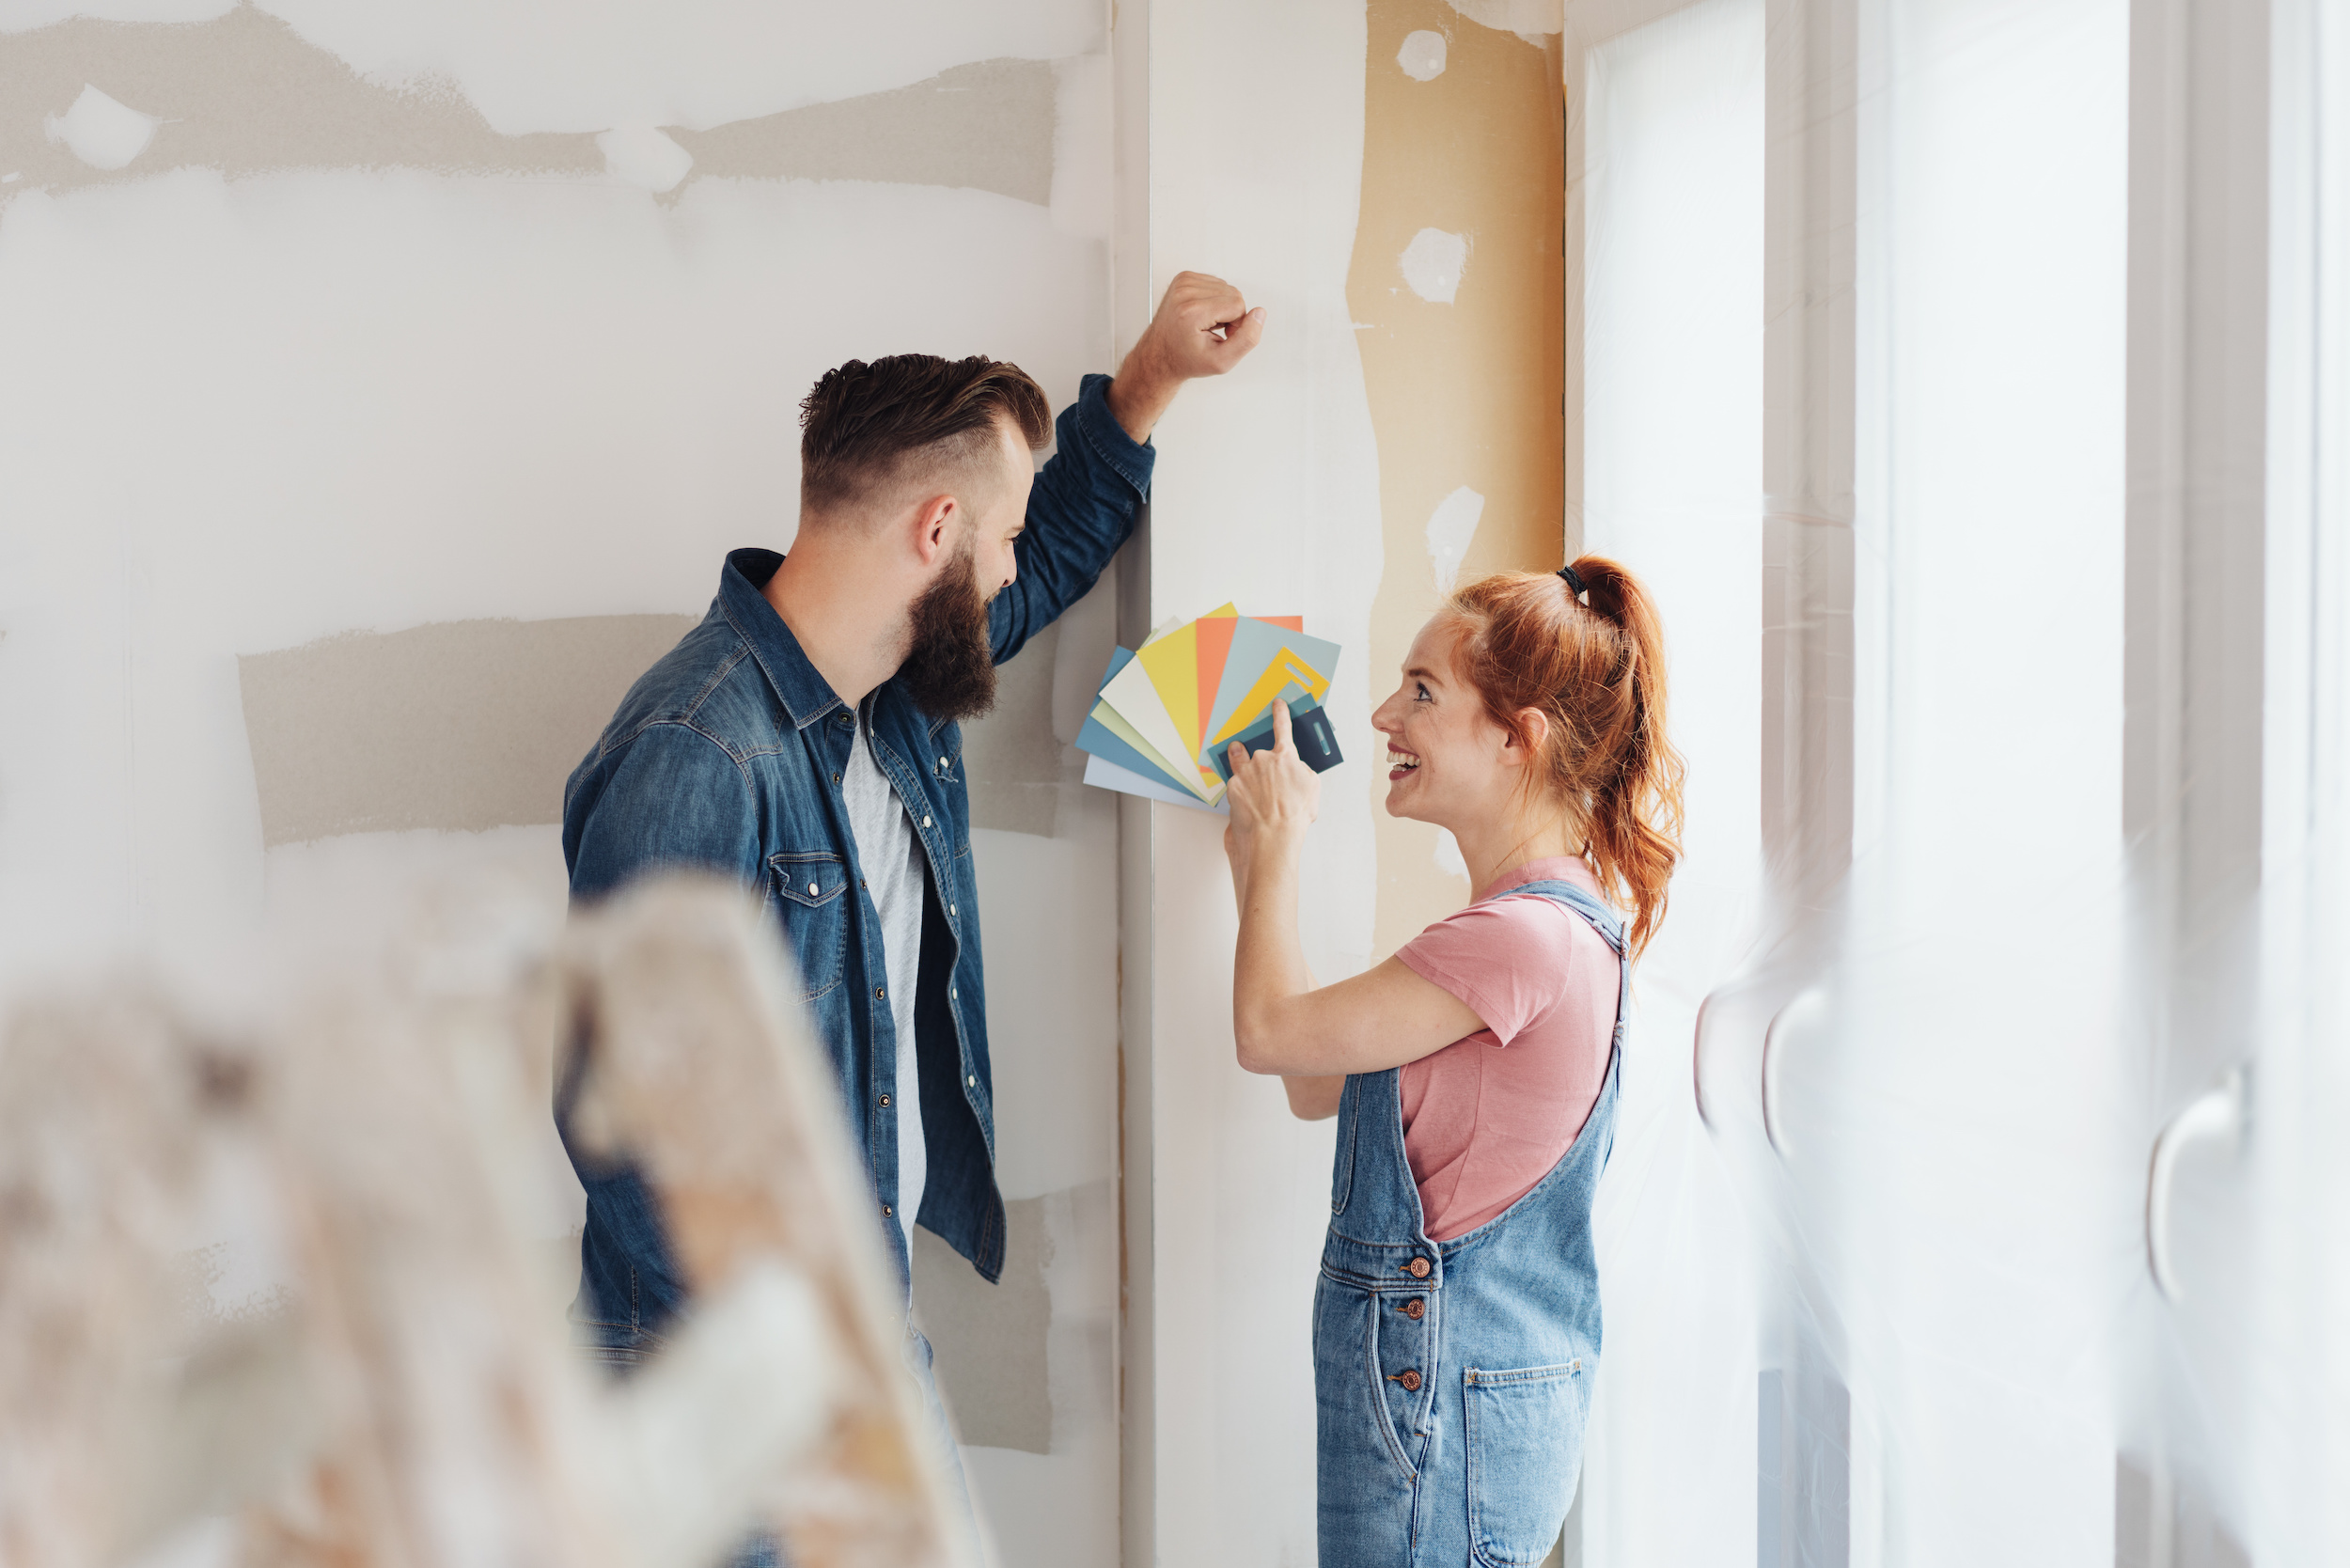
{"points": [[1602, 920]]}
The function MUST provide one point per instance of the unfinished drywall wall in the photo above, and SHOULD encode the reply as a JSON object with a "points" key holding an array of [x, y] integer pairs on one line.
{"points": [[392, 400], [1456, 289]]}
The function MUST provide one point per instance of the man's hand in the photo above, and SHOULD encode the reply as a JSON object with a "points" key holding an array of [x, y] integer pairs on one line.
{"points": [[1203, 328]]}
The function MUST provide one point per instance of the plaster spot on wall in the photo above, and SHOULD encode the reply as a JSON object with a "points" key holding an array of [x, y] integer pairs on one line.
{"points": [[1433, 264], [643, 156], [1529, 19], [1449, 859], [991, 1340], [1422, 55], [987, 126], [244, 94], [1451, 527], [462, 725], [1015, 766], [101, 132]]}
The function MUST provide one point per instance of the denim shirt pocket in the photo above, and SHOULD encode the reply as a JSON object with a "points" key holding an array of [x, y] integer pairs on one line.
{"points": [[807, 886]]}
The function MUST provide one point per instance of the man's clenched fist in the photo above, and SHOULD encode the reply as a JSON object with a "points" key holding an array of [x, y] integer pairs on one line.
{"points": [[1203, 328]]}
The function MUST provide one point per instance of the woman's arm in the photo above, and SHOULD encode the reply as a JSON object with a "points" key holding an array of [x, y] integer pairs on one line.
{"points": [[1281, 1021], [1314, 1099]]}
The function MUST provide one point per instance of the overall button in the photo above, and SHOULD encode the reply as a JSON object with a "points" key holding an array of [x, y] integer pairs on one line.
{"points": [[879, 993], [885, 1101], [1417, 1268], [1409, 1378], [888, 1211], [1415, 1309]]}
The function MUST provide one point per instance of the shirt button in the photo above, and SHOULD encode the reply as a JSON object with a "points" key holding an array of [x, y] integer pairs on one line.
{"points": [[1417, 1268], [1415, 1309], [812, 889], [879, 993], [885, 1101], [926, 822], [836, 778], [953, 995], [970, 1083], [942, 763], [951, 909], [888, 1211]]}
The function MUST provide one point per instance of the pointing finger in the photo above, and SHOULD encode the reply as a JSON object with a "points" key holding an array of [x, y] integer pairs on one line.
{"points": [[1281, 746]]}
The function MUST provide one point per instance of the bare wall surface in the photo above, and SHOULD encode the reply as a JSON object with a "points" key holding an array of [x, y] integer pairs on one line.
{"points": [[244, 92], [1456, 289], [391, 401], [1267, 493]]}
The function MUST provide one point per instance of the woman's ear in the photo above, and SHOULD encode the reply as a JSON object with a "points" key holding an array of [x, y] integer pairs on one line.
{"points": [[1535, 726]]}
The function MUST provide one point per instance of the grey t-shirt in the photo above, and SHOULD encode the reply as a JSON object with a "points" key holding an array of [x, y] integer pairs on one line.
{"points": [[892, 859]]}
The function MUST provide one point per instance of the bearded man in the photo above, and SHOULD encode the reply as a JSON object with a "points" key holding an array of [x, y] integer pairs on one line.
{"points": [[804, 739]]}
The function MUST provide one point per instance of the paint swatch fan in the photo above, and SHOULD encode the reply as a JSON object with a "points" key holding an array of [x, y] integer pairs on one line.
{"points": [[1169, 712]]}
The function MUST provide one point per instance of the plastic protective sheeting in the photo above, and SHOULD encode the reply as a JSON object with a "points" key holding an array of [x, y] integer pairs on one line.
{"points": [[1996, 1214]]}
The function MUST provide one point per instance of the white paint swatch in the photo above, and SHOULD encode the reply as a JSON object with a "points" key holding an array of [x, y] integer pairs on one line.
{"points": [[1422, 55], [100, 131], [1434, 262], [1451, 527], [641, 155]]}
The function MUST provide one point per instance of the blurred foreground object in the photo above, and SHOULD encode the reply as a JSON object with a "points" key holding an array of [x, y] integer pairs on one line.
{"points": [[413, 1400]]}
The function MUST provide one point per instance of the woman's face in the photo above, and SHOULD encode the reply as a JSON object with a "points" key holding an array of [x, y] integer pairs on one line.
{"points": [[1446, 756]]}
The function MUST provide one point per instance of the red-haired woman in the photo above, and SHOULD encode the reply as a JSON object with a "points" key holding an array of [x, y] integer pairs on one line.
{"points": [[1457, 1322]]}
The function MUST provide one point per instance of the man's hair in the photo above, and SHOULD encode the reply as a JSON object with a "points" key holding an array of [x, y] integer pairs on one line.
{"points": [[908, 416]]}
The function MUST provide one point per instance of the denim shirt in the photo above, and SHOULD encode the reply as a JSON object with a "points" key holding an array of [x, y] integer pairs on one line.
{"points": [[728, 755]]}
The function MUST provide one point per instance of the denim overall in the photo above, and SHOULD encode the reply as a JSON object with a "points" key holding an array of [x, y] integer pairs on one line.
{"points": [[1452, 1379]]}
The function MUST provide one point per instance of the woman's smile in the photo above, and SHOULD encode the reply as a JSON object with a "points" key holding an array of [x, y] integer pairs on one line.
{"points": [[1401, 763]]}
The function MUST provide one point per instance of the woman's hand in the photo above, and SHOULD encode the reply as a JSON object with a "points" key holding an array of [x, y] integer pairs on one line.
{"points": [[1274, 797]]}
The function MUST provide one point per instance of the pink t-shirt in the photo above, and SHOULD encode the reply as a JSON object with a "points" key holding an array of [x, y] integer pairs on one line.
{"points": [[1486, 1117]]}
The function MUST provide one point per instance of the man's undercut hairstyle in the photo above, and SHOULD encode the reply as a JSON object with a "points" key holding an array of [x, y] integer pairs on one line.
{"points": [[910, 416]]}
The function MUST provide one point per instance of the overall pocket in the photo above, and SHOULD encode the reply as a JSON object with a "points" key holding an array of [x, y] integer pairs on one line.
{"points": [[808, 890], [1367, 1422], [1524, 1452]]}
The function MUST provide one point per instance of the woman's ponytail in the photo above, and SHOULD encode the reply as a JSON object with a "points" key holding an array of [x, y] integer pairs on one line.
{"points": [[1593, 665]]}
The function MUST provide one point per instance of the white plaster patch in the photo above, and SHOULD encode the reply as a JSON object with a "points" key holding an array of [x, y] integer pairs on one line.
{"points": [[1449, 859], [1451, 527], [1529, 19], [12, 178], [643, 156], [1433, 264], [1422, 55], [100, 131]]}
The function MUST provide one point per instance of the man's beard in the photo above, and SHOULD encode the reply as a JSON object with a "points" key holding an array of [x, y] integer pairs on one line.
{"points": [[949, 671]]}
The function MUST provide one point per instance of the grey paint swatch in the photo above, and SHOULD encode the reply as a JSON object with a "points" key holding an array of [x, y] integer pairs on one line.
{"points": [[245, 94], [990, 1340], [461, 724]]}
